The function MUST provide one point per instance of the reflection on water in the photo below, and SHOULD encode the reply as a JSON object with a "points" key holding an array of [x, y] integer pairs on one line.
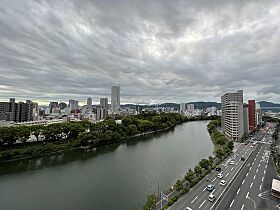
{"points": [[74, 155]]}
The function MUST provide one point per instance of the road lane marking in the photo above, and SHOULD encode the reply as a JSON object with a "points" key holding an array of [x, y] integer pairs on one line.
{"points": [[242, 207], [238, 191], [243, 181], [266, 166], [247, 174], [213, 191], [227, 174], [251, 185], [232, 168], [257, 170], [214, 179], [247, 195], [255, 177], [194, 199], [253, 163], [250, 168], [204, 189], [259, 165], [264, 172], [231, 203], [201, 204], [260, 187], [262, 179]]}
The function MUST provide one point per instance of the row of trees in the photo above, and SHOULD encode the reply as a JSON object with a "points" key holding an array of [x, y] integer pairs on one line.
{"points": [[103, 132]]}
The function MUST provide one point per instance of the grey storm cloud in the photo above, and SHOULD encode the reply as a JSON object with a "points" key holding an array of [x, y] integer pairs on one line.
{"points": [[158, 51]]}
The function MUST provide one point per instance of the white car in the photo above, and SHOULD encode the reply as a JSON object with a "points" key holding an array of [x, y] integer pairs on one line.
{"points": [[211, 197], [220, 175], [188, 208], [223, 183], [232, 162]]}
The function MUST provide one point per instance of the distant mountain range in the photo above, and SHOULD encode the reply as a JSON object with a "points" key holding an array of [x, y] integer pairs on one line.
{"points": [[202, 105], [265, 104]]}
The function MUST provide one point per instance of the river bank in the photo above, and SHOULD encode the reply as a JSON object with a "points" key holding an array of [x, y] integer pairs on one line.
{"points": [[121, 173], [40, 149], [101, 134], [222, 149]]}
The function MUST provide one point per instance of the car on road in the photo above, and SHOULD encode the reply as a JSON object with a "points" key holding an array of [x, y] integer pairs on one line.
{"points": [[210, 187], [188, 208], [232, 162], [220, 175], [223, 182], [218, 168], [211, 198], [243, 158]]}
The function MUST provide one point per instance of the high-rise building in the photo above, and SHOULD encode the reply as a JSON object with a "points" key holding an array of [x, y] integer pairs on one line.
{"points": [[182, 108], [190, 107], [139, 109], [17, 112], [245, 118], [104, 103], [73, 104], [252, 114], [89, 102], [101, 113], [53, 105], [232, 115], [258, 114], [115, 98]]}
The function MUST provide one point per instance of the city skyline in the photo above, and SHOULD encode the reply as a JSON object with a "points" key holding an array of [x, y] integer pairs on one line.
{"points": [[189, 51]]}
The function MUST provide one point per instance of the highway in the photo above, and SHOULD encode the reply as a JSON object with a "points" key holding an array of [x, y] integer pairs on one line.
{"points": [[244, 191], [197, 198]]}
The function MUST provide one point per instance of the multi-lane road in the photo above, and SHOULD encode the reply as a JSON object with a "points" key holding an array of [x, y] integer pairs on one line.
{"points": [[243, 192], [243, 181]]}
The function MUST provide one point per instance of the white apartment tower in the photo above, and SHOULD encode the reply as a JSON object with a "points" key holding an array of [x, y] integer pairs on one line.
{"points": [[115, 98], [182, 108], [190, 107], [232, 115]]}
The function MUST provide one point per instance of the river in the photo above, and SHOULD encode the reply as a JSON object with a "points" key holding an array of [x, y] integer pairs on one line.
{"points": [[114, 177]]}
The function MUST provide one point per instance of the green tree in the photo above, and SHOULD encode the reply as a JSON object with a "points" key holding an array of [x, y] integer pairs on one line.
{"points": [[179, 185], [132, 130], [151, 202], [204, 163], [198, 170], [190, 175], [219, 153], [22, 133]]}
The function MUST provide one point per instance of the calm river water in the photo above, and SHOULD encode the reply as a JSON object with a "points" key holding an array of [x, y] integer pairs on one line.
{"points": [[115, 177]]}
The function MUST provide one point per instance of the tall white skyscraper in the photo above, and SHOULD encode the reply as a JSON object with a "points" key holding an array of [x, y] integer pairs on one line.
{"points": [[232, 115], [115, 98]]}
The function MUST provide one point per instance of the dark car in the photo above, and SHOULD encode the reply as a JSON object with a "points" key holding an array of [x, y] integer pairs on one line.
{"points": [[218, 169], [243, 158]]}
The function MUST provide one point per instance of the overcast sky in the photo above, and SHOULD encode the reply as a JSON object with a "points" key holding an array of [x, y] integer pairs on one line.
{"points": [[158, 51]]}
